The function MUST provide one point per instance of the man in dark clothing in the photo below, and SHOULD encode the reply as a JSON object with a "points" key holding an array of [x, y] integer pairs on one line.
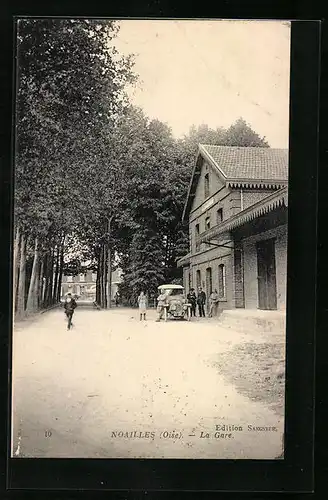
{"points": [[69, 306], [192, 299], [201, 299], [117, 298]]}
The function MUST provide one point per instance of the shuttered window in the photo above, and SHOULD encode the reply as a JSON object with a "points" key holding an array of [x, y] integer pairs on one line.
{"points": [[198, 278], [197, 237], [207, 185], [222, 283]]}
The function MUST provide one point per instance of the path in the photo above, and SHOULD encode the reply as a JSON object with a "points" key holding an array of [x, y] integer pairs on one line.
{"points": [[116, 387]]}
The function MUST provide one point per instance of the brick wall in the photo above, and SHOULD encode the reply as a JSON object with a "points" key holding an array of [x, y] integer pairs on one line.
{"points": [[281, 268], [250, 266], [215, 183], [227, 302], [238, 276], [251, 196], [186, 278]]}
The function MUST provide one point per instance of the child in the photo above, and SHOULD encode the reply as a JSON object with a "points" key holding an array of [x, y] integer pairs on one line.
{"points": [[69, 306], [142, 303]]}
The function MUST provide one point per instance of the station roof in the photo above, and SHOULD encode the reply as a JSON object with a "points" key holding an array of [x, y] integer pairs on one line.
{"points": [[241, 167]]}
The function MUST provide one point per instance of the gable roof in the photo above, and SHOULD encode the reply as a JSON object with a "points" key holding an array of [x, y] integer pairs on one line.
{"points": [[251, 163], [238, 167]]}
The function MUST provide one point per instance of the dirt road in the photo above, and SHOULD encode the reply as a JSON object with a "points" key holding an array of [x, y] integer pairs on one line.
{"points": [[117, 387]]}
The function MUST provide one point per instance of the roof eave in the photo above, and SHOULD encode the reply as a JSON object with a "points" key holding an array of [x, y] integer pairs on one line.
{"points": [[268, 204], [257, 183]]}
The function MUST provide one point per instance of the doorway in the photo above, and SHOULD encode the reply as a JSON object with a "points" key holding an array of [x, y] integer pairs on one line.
{"points": [[266, 274]]}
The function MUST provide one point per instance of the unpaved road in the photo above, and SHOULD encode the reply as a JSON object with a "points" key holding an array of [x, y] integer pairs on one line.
{"points": [[115, 387]]}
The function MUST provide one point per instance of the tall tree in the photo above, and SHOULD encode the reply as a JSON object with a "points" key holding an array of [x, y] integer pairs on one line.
{"points": [[70, 90], [241, 134]]}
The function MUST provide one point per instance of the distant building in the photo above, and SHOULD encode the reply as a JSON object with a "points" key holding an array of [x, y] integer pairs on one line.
{"points": [[84, 285], [237, 211]]}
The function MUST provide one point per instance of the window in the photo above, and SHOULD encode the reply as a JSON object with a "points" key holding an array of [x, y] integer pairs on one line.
{"points": [[207, 185], [207, 223], [209, 284], [219, 216], [196, 237], [198, 278], [222, 284]]}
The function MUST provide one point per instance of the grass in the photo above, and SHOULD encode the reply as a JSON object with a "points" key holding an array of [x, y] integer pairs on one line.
{"points": [[258, 372]]}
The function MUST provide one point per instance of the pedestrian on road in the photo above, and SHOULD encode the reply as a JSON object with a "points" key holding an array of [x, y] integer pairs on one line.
{"points": [[201, 300], [69, 306], [142, 303], [214, 300], [161, 303], [192, 299]]}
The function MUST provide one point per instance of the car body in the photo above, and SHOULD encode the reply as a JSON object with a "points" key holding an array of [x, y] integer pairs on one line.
{"points": [[177, 306]]}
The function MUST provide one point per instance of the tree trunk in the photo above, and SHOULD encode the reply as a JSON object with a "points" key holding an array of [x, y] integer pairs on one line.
{"points": [[21, 283], [56, 273], [44, 280], [51, 281], [98, 279], [109, 263], [31, 304], [109, 277], [48, 272], [40, 285], [61, 265], [103, 291], [101, 277]]}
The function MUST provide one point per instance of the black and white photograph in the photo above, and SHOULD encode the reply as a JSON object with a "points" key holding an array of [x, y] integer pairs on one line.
{"points": [[151, 167]]}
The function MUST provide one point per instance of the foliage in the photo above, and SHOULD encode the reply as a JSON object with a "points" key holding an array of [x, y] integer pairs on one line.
{"points": [[70, 90], [241, 134]]}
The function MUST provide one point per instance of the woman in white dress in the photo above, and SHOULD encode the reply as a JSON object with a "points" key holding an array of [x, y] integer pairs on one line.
{"points": [[142, 303]]}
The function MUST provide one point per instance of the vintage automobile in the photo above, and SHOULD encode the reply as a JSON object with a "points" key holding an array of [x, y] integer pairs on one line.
{"points": [[177, 305]]}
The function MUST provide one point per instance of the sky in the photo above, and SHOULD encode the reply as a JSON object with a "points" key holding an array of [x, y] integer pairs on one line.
{"points": [[211, 72]]}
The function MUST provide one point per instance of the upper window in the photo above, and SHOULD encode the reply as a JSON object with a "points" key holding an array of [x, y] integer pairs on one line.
{"points": [[207, 185], [207, 223], [196, 237], [219, 216]]}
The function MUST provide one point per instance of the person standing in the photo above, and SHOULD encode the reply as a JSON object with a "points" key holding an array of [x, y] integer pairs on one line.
{"points": [[161, 303], [201, 300], [117, 298], [214, 299], [142, 303], [192, 299], [69, 306]]}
